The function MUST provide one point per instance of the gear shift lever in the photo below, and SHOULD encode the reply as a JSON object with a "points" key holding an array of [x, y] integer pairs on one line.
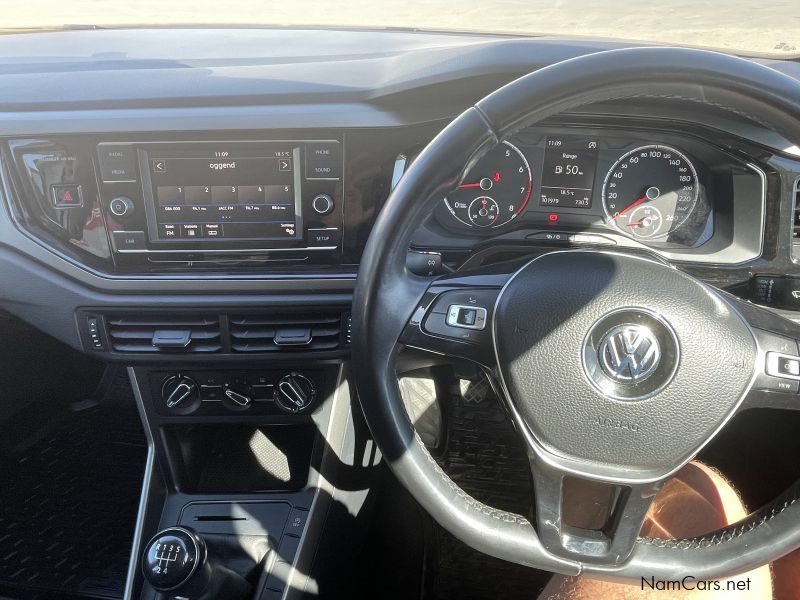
{"points": [[176, 563]]}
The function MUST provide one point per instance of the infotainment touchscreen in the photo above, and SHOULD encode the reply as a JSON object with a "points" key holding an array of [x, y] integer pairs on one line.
{"points": [[225, 192]]}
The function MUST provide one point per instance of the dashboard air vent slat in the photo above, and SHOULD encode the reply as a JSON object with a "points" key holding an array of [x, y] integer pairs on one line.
{"points": [[271, 333], [141, 334]]}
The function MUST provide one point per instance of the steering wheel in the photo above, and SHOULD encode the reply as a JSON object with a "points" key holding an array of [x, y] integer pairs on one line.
{"points": [[615, 368]]}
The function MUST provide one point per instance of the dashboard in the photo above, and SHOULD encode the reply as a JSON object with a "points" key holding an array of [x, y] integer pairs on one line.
{"points": [[180, 182], [655, 188], [150, 205]]}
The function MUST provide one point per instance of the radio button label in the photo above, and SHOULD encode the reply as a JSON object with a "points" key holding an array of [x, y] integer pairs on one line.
{"points": [[169, 231], [117, 163], [323, 160], [323, 237], [128, 240], [213, 230], [191, 230]]}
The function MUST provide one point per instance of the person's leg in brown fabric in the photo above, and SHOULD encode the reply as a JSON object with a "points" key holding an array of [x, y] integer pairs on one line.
{"points": [[697, 500]]}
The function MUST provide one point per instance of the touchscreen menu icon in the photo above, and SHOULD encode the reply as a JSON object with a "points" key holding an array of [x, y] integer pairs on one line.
{"points": [[223, 194], [252, 194], [169, 195], [197, 194]]}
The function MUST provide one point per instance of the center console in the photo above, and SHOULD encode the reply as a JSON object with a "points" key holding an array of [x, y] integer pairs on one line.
{"points": [[246, 466], [216, 267]]}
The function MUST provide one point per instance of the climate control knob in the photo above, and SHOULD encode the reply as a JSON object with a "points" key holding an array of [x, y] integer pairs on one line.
{"points": [[295, 393], [121, 206], [237, 397], [180, 394]]}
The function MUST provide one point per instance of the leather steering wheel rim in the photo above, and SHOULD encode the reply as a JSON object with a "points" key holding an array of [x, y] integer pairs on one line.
{"points": [[387, 295]]}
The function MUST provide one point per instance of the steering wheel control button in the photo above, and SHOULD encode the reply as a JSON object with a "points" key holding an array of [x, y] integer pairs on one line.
{"points": [[467, 317], [780, 365], [322, 204], [66, 196], [767, 383], [771, 342], [461, 315], [172, 557], [780, 354], [630, 354]]}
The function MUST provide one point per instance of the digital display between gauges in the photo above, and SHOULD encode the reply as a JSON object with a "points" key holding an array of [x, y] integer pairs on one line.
{"points": [[495, 191], [568, 172]]}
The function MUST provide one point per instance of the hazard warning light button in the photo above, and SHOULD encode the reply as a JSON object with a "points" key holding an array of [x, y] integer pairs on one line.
{"points": [[66, 195]]}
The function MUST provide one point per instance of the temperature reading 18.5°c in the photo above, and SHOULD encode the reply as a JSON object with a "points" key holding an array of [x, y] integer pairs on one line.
{"points": [[568, 173]]}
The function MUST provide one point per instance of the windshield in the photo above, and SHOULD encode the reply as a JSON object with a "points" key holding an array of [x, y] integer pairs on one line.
{"points": [[761, 27]]}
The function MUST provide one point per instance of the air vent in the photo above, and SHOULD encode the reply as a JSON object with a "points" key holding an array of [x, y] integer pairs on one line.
{"points": [[158, 333], [796, 215], [286, 332]]}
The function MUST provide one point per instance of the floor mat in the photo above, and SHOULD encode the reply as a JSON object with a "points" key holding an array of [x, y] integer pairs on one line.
{"points": [[68, 504], [486, 458]]}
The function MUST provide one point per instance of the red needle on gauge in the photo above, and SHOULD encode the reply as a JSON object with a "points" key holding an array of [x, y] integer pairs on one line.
{"points": [[644, 198], [469, 185]]}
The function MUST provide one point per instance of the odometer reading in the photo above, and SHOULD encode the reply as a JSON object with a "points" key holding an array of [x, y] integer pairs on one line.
{"points": [[495, 191], [568, 173], [650, 191]]}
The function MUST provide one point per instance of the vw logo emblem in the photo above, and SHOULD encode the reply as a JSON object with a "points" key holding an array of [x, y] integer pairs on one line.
{"points": [[629, 353]]}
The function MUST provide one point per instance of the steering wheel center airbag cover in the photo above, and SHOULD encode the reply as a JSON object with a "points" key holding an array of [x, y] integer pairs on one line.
{"points": [[555, 324]]}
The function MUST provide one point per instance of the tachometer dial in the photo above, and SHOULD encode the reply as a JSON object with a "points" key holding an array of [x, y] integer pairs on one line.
{"points": [[650, 191], [495, 191]]}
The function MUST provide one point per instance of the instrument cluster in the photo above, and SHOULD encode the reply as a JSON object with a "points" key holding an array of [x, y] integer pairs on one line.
{"points": [[656, 188]]}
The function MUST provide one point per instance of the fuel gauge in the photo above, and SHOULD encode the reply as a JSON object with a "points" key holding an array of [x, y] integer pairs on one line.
{"points": [[483, 211], [645, 222]]}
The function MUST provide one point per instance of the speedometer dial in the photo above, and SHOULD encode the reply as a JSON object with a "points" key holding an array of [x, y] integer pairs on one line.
{"points": [[650, 191], [495, 191]]}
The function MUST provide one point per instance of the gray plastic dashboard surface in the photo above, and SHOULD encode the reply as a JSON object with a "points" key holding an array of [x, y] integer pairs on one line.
{"points": [[195, 80]]}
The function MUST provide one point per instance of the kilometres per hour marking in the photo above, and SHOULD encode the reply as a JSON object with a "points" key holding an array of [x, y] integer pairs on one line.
{"points": [[650, 191]]}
